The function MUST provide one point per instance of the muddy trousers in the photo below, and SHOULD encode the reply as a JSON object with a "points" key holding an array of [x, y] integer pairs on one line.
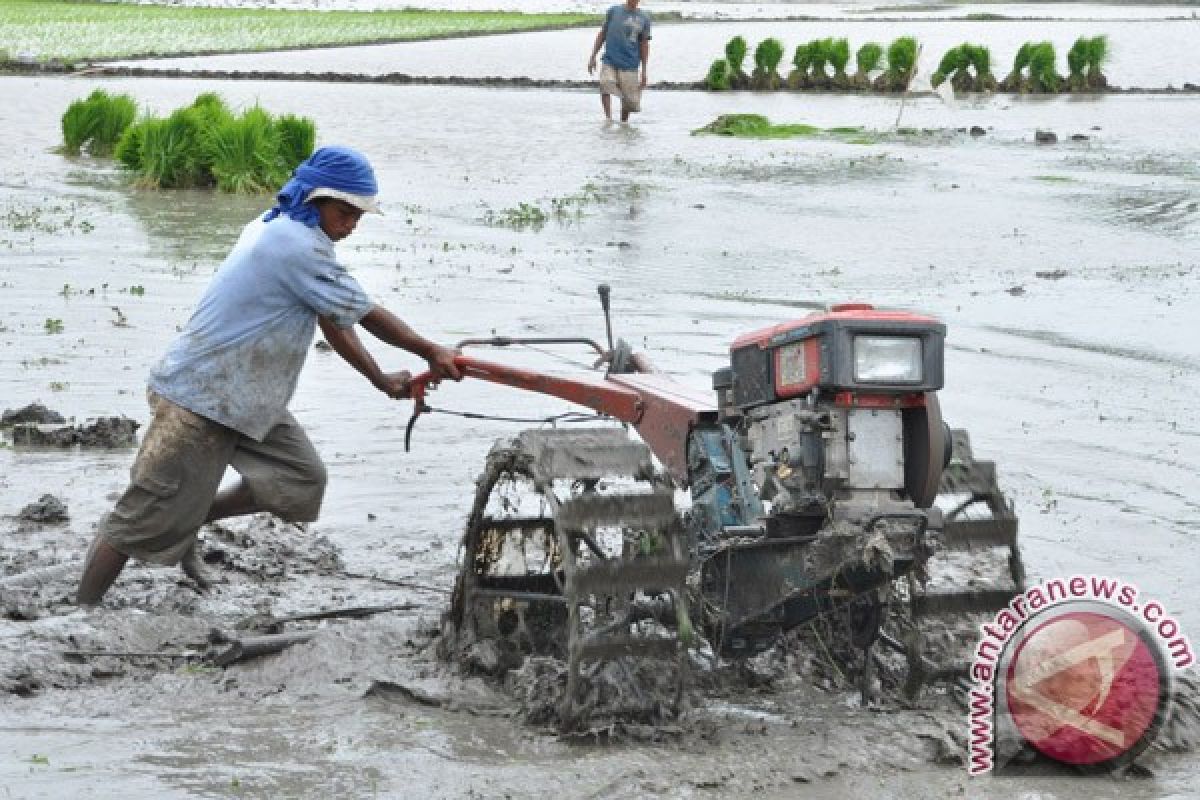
{"points": [[179, 468]]}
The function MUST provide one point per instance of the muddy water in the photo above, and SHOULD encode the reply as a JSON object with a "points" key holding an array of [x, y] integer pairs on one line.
{"points": [[1145, 53], [1078, 384]]}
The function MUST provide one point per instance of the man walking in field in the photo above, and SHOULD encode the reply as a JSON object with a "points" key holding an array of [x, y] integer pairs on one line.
{"points": [[220, 394], [625, 37]]}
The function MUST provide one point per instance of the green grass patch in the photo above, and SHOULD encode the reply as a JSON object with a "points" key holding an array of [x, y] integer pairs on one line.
{"points": [[1053, 178], [75, 31]]}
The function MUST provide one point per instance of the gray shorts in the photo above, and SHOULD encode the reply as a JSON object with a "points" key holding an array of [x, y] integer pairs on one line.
{"points": [[179, 469], [624, 83]]}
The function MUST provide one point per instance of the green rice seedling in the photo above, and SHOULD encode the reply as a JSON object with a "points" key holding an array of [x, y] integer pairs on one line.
{"points": [[868, 59], [297, 136], [718, 78], [953, 63], [245, 154], [767, 56], [211, 109], [1017, 80], [1076, 64], [129, 147], [802, 62], [97, 122], [1097, 57], [735, 55], [114, 113], [818, 50], [980, 59], [78, 122], [171, 152], [1043, 74], [838, 53], [902, 63]]}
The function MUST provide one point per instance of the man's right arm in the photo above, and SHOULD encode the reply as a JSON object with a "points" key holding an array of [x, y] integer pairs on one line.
{"points": [[597, 45], [387, 327]]}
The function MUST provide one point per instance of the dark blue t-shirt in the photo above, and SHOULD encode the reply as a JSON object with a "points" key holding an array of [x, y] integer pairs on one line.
{"points": [[624, 31]]}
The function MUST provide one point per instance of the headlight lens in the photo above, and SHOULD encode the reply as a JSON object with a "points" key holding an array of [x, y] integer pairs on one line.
{"points": [[791, 370], [887, 359]]}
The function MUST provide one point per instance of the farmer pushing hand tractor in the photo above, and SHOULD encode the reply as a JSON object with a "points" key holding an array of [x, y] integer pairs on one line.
{"points": [[220, 394]]}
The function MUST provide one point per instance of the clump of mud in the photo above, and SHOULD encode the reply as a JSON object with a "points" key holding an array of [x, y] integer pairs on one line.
{"points": [[265, 548], [35, 413], [48, 510], [105, 432], [622, 695]]}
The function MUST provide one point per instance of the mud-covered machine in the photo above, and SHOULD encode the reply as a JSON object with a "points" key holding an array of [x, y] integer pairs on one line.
{"points": [[824, 486]]}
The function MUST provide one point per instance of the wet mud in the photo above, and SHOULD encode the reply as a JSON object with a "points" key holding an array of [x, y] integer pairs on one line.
{"points": [[1079, 386]]}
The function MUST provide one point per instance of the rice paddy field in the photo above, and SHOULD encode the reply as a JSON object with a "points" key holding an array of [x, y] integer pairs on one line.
{"points": [[41, 30], [1068, 276]]}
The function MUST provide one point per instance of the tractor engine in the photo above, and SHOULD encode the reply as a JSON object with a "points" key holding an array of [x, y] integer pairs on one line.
{"points": [[836, 412]]}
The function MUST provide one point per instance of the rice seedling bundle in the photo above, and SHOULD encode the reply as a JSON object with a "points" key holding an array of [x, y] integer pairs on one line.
{"points": [[1097, 57], [968, 67], [838, 53], [169, 155], [818, 50], [735, 56], [1043, 74], [97, 122], [799, 78], [868, 59], [297, 138], [205, 144], [1017, 80], [1076, 64], [719, 76], [129, 147], [980, 59], [245, 154], [953, 63], [767, 56], [901, 63]]}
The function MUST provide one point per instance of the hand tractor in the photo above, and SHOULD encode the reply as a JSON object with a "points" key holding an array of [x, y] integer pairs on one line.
{"points": [[822, 487]]}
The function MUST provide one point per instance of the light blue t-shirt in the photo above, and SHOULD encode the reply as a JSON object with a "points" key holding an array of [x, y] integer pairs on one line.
{"points": [[624, 31], [238, 359]]}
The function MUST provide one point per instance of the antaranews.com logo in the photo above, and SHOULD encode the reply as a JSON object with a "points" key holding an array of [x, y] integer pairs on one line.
{"points": [[1077, 669]]}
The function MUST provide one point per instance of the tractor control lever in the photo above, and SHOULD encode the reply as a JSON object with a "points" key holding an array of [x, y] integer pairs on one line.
{"points": [[417, 389], [605, 292]]}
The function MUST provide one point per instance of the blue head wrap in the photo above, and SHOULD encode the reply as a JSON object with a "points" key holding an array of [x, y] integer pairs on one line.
{"points": [[338, 168]]}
